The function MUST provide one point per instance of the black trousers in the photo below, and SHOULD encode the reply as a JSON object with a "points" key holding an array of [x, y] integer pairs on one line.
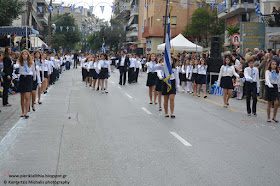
{"points": [[76, 62], [6, 87], [251, 91], [130, 75], [136, 74], [122, 75]]}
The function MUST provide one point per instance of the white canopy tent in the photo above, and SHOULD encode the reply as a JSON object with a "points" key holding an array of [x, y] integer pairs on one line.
{"points": [[180, 44]]}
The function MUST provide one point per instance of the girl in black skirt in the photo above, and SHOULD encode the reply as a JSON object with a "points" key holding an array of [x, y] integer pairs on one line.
{"points": [[95, 73], [105, 72], [26, 71], [38, 62], [194, 77], [86, 73], [202, 73], [189, 69], [175, 86], [90, 69], [272, 81], [36, 79], [160, 76], [45, 70], [225, 79], [152, 77]]}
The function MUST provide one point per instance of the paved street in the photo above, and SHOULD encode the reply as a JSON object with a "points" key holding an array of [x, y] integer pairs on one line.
{"points": [[120, 139]]}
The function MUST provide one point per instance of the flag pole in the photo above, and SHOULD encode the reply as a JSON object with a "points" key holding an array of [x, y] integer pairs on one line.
{"points": [[165, 21]]}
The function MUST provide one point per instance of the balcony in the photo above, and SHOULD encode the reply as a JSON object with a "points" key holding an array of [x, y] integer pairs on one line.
{"points": [[128, 7], [227, 10], [43, 17], [132, 33], [157, 31], [133, 12]]}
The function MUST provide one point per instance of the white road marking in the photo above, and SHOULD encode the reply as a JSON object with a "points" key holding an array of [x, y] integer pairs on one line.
{"points": [[119, 87], [128, 95], [146, 110], [181, 139], [112, 82]]}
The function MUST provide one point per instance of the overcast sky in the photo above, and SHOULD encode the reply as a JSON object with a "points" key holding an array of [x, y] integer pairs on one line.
{"points": [[96, 3]]}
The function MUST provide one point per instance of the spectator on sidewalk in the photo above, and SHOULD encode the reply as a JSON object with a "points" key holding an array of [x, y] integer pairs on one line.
{"points": [[7, 77]]}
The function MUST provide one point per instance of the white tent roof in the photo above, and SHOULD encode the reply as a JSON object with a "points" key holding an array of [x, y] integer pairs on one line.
{"points": [[180, 43]]}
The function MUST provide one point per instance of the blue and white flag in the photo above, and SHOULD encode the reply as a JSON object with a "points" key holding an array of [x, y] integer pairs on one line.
{"points": [[113, 8], [72, 8], [81, 9], [112, 28], [61, 27], [258, 11], [103, 47], [234, 6], [246, 6], [73, 28], [81, 28], [179, 4], [54, 28], [93, 28], [51, 9], [200, 5], [102, 9], [91, 9], [167, 68], [40, 8], [124, 28], [67, 28], [60, 9], [143, 29], [134, 6], [213, 5], [146, 6], [124, 7]]}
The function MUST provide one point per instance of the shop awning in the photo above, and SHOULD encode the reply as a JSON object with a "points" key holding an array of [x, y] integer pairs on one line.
{"points": [[18, 30]]}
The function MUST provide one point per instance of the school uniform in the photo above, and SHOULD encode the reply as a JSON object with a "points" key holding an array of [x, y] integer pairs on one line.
{"points": [[194, 74], [96, 70], [83, 69], [131, 70], [104, 68], [182, 73], [36, 77], [225, 76], [90, 69], [160, 77], [138, 67], [26, 77], [252, 87], [272, 81], [45, 68], [152, 74], [202, 72], [189, 69]]}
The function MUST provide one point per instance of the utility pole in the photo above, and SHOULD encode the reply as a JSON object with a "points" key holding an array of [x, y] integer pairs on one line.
{"points": [[165, 20], [49, 26]]}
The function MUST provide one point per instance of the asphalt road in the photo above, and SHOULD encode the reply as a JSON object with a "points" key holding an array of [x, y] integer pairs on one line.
{"points": [[120, 139]]}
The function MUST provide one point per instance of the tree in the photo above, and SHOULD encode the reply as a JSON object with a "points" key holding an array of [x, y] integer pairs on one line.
{"points": [[204, 24], [64, 38], [10, 10], [232, 30]]}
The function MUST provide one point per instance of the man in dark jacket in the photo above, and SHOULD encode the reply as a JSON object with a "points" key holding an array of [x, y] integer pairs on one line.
{"points": [[8, 70], [123, 66]]}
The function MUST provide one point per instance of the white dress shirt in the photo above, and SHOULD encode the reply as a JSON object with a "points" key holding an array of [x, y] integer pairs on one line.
{"points": [[132, 63], [150, 66], [174, 76], [189, 71], [104, 64], [90, 65], [30, 70], [45, 65], [227, 71], [252, 75], [269, 81], [202, 69], [122, 60]]}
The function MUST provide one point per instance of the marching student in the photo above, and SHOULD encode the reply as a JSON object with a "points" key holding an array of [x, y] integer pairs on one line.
{"points": [[252, 84], [160, 76], [138, 68], [152, 77], [26, 71], [113, 62], [225, 79], [36, 80], [175, 86], [194, 76], [189, 69], [83, 68], [105, 72], [45, 70], [132, 68], [272, 81], [95, 73], [90, 69], [182, 75], [86, 73], [202, 75]]}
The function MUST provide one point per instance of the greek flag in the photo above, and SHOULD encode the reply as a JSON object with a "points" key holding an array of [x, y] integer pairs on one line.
{"points": [[258, 11], [167, 57], [103, 47]]}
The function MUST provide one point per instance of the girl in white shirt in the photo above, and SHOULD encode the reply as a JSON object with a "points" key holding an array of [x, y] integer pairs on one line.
{"points": [[189, 69], [37, 82], [104, 72], [194, 76], [91, 69], [272, 82], [152, 77], [138, 68], [86, 73], [202, 74], [160, 76], [225, 79], [45, 69], [26, 71]]}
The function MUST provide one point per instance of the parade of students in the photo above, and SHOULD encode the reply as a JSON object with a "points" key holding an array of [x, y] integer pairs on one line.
{"points": [[152, 77], [202, 77], [104, 72], [227, 70]]}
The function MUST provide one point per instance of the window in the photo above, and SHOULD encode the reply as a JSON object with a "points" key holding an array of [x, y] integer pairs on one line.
{"points": [[149, 21], [152, 21], [145, 22], [245, 17], [173, 21]]}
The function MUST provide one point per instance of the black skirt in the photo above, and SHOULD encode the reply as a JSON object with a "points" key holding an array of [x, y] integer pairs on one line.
{"points": [[164, 88], [41, 76], [195, 78], [152, 79], [25, 83], [271, 94], [95, 75], [103, 73], [46, 74], [201, 80], [91, 72], [86, 73], [34, 85], [226, 82], [159, 85], [182, 77]]}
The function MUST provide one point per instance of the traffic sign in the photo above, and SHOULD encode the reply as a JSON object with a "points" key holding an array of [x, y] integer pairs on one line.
{"points": [[235, 39], [132, 47], [44, 46]]}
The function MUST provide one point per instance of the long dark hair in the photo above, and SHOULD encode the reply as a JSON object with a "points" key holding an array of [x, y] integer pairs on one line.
{"points": [[40, 58], [150, 56], [230, 61], [6, 52], [269, 66]]}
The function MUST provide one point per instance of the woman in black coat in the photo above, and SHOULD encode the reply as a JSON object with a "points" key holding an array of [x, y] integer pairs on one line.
{"points": [[7, 78]]}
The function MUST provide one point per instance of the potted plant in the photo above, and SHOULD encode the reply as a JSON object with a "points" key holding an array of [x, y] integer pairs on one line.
{"points": [[271, 23]]}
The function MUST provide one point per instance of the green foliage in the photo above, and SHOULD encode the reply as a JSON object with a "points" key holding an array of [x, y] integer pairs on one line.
{"points": [[10, 10], [232, 30], [205, 23], [64, 38]]}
